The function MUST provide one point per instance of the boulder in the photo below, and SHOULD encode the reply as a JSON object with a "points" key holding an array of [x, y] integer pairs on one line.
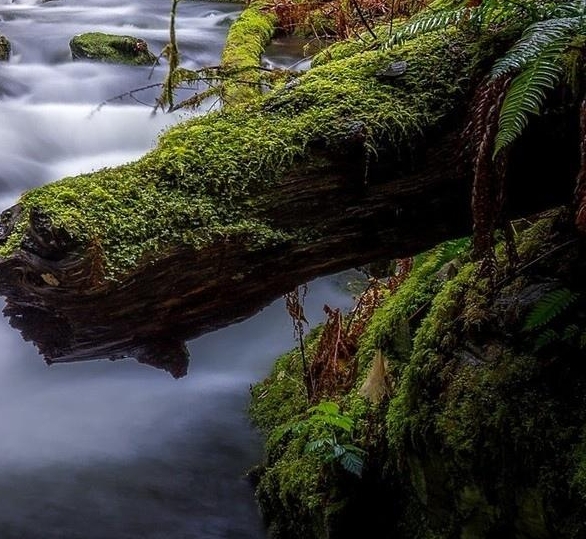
{"points": [[5, 49], [112, 49]]}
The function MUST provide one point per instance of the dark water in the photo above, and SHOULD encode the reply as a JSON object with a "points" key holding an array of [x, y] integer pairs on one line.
{"points": [[102, 450]]}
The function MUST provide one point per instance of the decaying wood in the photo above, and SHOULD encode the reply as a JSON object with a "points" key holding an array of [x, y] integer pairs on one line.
{"points": [[56, 301]]}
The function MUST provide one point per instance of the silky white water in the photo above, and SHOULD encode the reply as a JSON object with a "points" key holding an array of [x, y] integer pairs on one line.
{"points": [[103, 450]]}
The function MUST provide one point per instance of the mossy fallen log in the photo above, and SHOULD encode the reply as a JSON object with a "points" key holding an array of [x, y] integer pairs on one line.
{"points": [[233, 209], [246, 42]]}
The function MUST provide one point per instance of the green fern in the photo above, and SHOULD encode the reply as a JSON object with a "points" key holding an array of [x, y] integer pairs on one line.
{"points": [[537, 54], [492, 12], [571, 8], [489, 12], [429, 22], [554, 34], [571, 332], [326, 416], [351, 461], [545, 338], [526, 95], [549, 307]]}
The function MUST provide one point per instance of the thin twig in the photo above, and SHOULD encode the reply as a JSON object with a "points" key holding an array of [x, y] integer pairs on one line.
{"points": [[363, 19]]}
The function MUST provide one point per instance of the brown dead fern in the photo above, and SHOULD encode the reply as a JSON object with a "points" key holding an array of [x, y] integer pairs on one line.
{"points": [[334, 368], [489, 187], [580, 193], [294, 302]]}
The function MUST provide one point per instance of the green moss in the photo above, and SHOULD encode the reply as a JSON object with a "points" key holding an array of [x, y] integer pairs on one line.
{"points": [[390, 329], [246, 41], [281, 398], [207, 177], [481, 437], [468, 397], [291, 490], [110, 48], [294, 488], [339, 51]]}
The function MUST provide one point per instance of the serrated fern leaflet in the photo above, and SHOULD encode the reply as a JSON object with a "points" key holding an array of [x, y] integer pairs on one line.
{"points": [[526, 96], [553, 34], [549, 307]]}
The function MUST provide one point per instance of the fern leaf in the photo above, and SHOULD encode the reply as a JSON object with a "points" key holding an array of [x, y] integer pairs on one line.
{"points": [[552, 33], [496, 12], [583, 340], [354, 449], [574, 8], [526, 96], [338, 450], [429, 22], [352, 463], [316, 445], [570, 333], [549, 307], [546, 338]]}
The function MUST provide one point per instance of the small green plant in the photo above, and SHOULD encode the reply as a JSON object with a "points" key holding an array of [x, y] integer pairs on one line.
{"points": [[546, 312], [336, 433]]}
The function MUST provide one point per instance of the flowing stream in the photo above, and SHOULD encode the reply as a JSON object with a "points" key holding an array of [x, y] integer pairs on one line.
{"points": [[102, 450]]}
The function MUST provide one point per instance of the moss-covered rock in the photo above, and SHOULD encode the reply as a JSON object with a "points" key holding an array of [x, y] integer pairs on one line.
{"points": [[5, 49], [483, 435], [111, 48]]}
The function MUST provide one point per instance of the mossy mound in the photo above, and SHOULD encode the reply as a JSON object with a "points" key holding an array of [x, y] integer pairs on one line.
{"points": [[483, 432], [5, 49], [111, 48]]}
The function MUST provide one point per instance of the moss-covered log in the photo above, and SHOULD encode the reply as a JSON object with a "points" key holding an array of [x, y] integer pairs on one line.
{"points": [[246, 42], [341, 167]]}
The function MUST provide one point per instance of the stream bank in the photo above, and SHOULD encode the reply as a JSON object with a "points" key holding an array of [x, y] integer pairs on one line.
{"points": [[481, 432]]}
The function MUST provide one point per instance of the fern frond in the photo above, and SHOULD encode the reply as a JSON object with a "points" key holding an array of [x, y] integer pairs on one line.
{"points": [[545, 338], [316, 445], [573, 8], [583, 340], [571, 332], [526, 95], [352, 463], [429, 22], [553, 34], [338, 450], [497, 11], [340, 421], [355, 449], [549, 307]]}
